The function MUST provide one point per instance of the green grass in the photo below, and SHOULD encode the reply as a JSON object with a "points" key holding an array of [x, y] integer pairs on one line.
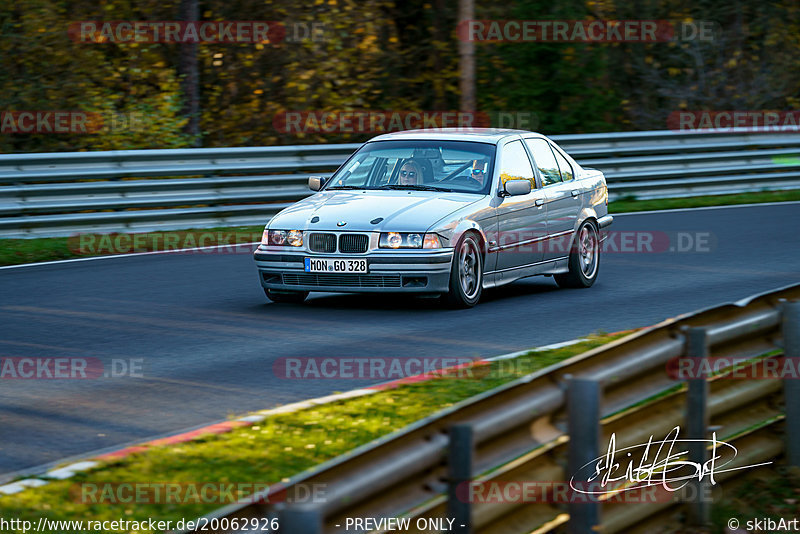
{"points": [[627, 204], [277, 448], [17, 251]]}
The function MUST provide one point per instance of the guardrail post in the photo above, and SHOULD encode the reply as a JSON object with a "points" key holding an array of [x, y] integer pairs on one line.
{"points": [[460, 464], [791, 386], [697, 422], [583, 416], [300, 521]]}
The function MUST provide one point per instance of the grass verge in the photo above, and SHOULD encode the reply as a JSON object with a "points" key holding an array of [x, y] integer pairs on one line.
{"points": [[17, 251], [270, 451]]}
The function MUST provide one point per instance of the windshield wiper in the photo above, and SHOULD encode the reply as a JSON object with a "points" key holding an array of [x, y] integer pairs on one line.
{"points": [[418, 187]]}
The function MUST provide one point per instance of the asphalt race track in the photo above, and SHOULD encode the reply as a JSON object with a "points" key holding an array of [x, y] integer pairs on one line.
{"points": [[206, 337]]}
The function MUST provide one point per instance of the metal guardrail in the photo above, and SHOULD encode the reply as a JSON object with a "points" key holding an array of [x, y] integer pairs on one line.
{"points": [[142, 190], [544, 426]]}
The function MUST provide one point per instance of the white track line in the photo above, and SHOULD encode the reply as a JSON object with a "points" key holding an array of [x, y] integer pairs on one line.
{"points": [[728, 206], [131, 255], [536, 349]]}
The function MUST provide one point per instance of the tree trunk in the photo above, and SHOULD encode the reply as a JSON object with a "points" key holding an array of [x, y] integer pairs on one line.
{"points": [[466, 52], [187, 70]]}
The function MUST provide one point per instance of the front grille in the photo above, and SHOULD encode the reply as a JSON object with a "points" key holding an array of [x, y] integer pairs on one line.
{"points": [[353, 243], [341, 280], [322, 242]]}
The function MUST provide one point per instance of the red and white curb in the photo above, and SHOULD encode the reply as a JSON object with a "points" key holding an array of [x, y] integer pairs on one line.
{"points": [[70, 470]]}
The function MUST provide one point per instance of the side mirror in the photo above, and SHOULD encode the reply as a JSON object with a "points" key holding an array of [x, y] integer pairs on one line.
{"points": [[514, 188], [315, 183]]}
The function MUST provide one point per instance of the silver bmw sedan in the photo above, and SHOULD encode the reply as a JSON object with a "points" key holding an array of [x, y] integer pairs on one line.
{"points": [[446, 212]]}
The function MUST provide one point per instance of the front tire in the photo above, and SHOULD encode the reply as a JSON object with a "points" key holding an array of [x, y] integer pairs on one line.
{"points": [[295, 297], [584, 259], [466, 273]]}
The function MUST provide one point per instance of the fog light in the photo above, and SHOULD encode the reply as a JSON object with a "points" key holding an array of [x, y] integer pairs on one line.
{"points": [[415, 281]]}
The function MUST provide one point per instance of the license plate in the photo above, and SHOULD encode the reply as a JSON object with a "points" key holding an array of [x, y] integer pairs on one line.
{"points": [[336, 265]]}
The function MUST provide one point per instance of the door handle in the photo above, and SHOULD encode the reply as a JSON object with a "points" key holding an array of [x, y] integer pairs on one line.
{"points": [[575, 192], [539, 202]]}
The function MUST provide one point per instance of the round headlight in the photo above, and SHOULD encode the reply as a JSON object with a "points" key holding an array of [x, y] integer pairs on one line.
{"points": [[394, 240], [295, 238], [415, 240], [277, 237]]}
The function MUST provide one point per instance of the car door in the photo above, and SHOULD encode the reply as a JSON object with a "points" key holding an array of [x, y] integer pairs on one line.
{"points": [[563, 199], [521, 220]]}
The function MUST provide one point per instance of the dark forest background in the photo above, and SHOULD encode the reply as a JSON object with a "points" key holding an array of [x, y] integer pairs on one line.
{"points": [[386, 55]]}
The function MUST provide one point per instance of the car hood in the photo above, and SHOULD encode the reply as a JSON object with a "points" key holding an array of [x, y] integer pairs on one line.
{"points": [[402, 211]]}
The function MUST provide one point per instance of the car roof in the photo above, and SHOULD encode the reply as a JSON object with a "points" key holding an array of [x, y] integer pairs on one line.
{"points": [[483, 135]]}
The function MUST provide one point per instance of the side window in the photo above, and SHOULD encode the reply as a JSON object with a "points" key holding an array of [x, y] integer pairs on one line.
{"points": [[516, 165], [544, 160], [564, 166]]}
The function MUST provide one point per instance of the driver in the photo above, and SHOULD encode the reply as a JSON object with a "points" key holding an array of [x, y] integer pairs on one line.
{"points": [[410, 173]]}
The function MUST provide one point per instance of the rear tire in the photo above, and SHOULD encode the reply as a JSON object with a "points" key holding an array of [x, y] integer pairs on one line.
{"points": [[295, 297], [466, 273], [584, 259]]}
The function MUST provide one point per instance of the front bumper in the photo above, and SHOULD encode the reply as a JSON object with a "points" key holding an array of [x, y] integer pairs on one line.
{"points": [[419, 271]]}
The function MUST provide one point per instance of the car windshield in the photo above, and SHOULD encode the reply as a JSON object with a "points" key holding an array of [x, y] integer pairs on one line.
{"points": [[418, 165]]}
